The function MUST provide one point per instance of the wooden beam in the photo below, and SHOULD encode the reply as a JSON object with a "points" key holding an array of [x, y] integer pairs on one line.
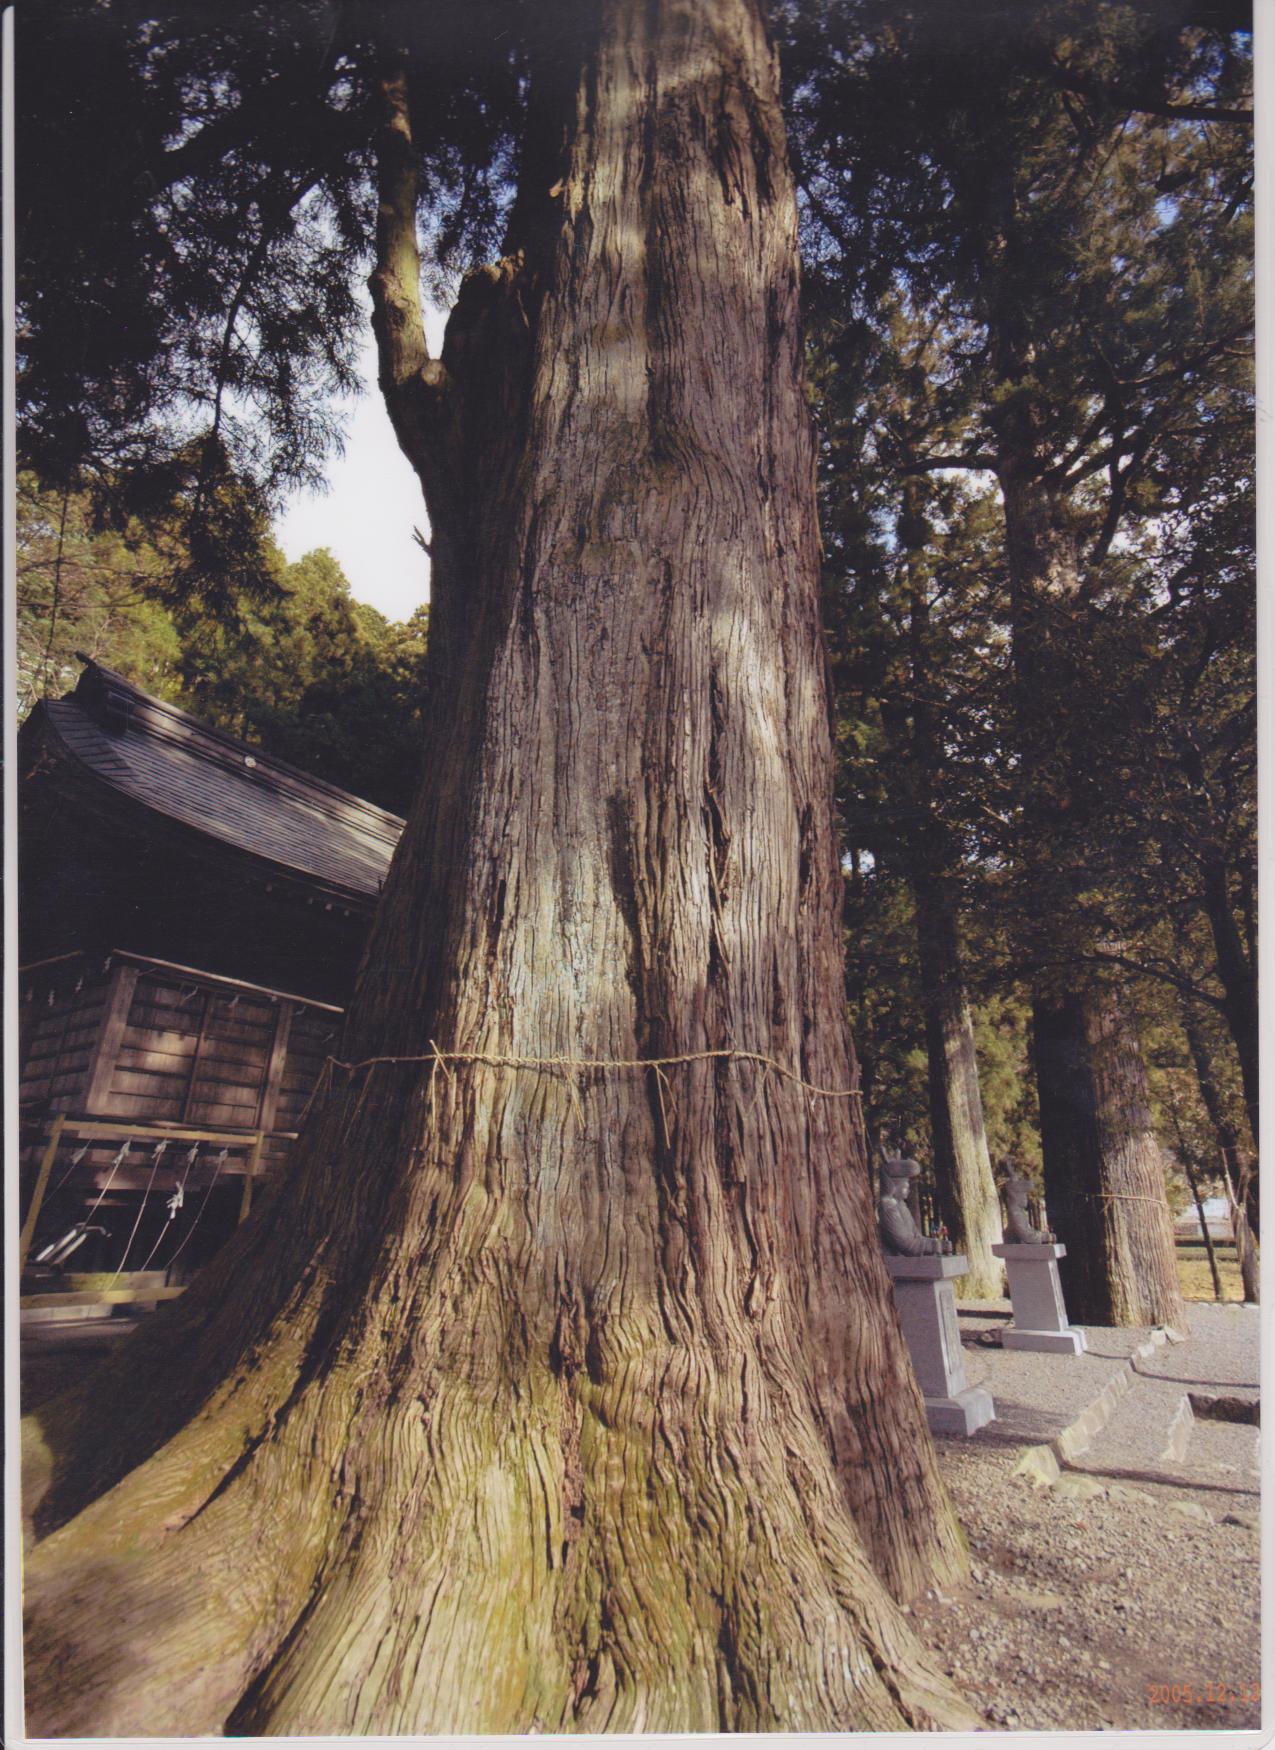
{"points": [[96, 1297], [145, 961], [41, 1185], [274, 1071], [254, 1161], [201, 1041], [124, 1127], [114, 1020]]}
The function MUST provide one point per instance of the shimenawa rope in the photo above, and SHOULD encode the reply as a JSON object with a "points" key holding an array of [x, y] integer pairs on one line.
{"points": [[496, 1060]]}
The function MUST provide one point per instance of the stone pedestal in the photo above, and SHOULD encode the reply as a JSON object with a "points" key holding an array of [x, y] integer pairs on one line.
{"points": [[927, 1312], [1040, 1318]]}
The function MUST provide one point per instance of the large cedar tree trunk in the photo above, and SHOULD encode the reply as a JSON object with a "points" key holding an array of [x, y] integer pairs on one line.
{"points": [[1104, 1180], [557, 1398], [1104, 1174], [967, 1197]]}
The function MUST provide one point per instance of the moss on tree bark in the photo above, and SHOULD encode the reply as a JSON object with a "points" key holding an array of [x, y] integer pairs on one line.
{"points": [[542, 1398]]}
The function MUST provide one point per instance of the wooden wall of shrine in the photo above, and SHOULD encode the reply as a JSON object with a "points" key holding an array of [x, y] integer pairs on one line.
{"points": [[153, 1097]]}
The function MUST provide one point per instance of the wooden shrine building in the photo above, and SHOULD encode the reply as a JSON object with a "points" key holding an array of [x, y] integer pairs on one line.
{"points": [[191, 915]]}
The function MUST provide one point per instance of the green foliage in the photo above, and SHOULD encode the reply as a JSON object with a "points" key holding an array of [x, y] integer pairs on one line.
{"points": [[1002, 1022], [885, 1009], [194, 217], [308, 674], [1029, 259], [315, 678], [79, 589]]}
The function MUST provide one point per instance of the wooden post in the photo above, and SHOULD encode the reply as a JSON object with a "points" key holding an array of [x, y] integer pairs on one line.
{"points": [[37, 1196], [201, 1041], [269, 1103], [254, 1161], [114, 1020]]}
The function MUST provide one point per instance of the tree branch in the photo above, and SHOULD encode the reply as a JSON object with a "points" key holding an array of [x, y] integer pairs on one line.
{"points": [[412, 383], [1149, 100], [967, 459], [1150, 970]]}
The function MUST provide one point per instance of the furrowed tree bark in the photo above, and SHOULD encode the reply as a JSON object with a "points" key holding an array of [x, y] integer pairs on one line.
{"points": [[1104, 1177], [968, 1202], [1104, 1180], [559, 1395]]}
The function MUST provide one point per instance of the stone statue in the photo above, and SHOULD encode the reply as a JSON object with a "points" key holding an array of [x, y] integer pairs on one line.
{"points": [[1018, 1228], [898, 1230]]}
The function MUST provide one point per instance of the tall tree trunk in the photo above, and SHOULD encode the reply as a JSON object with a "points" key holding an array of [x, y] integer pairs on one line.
{"points": [[1237, 1168], [1238, 977], [1104, 1179], [966, 1191], [1193, 1181], [555, 1391], [1245, 1247], [1236, 951]]}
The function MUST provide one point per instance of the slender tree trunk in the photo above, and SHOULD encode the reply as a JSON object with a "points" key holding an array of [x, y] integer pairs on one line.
{"points": [[554, 1391], [1239, 982], [968, 1202], [1245, 1248], [965, 1191], [1193, 1181], [1104, 1178], [1235, 951], [1237, 1168]]}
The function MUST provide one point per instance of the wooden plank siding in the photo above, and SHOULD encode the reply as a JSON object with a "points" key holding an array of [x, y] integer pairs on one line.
{"points": [[197, 1055], [61, 1019], [126, 1050]]}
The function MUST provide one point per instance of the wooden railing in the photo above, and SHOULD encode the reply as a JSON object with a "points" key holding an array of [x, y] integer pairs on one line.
{"points": [[64, 1125]]}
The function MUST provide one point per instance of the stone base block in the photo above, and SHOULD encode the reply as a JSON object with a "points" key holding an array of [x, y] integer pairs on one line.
{"points": [[964, 1414], [1068, 1342]]}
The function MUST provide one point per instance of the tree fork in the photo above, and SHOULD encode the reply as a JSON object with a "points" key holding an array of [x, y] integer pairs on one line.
{"points": [[590, 1408]]}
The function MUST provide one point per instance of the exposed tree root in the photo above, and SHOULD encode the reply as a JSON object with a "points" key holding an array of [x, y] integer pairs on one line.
{"points": [[453, 1550]]}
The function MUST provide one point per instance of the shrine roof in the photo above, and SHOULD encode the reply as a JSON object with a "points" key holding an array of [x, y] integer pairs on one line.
{"points": [[226, 789]]}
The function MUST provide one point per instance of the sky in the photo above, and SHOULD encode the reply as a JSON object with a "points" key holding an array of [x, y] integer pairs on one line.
{"points": [[373, 501]]}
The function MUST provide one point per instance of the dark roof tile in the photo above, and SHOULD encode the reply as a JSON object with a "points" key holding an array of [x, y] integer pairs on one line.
{"points": [[223, 787]]}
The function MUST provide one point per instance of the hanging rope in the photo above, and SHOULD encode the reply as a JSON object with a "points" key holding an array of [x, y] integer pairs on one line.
{"points": [[175, 1202], [76, 1158], [155, 1160], [221, 1161], [1120, 1197], [115, 1167]]}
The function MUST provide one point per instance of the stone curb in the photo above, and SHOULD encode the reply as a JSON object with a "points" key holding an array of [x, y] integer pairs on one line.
{"points": [[1179, 1433], [1043, 1464]]}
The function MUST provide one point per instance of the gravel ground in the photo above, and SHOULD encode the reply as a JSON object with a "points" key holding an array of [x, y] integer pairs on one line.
{"points": [[1223, 1351], [1121, 1598], [1085, 1613], [1117, 1601]]}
